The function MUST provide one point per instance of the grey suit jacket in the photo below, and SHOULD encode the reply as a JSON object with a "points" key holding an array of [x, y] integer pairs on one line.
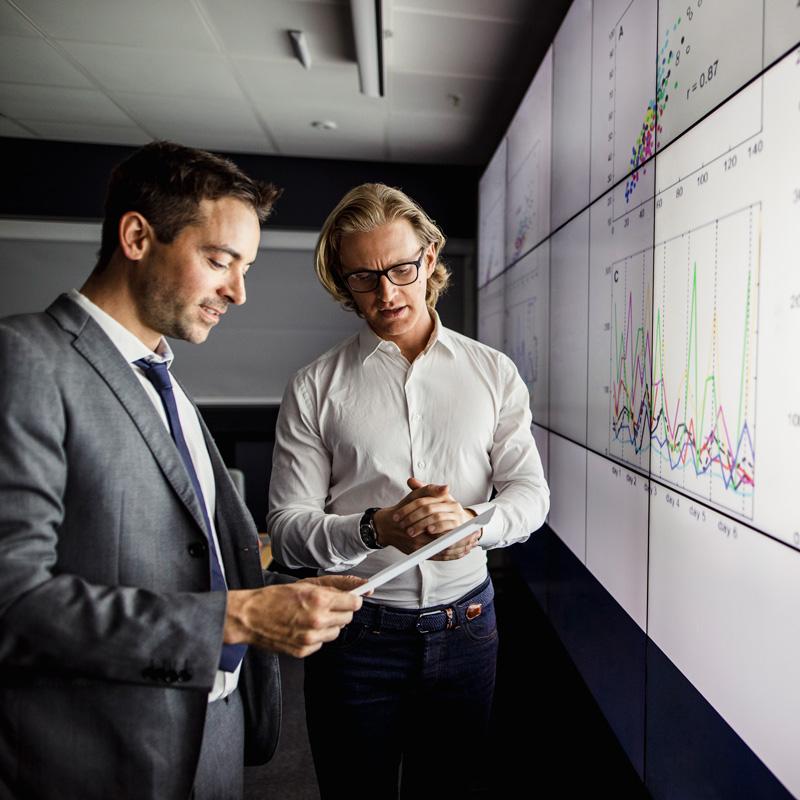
{"points": [[109, 637]]}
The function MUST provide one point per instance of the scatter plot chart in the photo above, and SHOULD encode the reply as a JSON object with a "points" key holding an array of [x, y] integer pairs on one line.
{"points": [[644, 146], [623, 104], [491, 313], [529, 157], [707, 50], [492, 217], [527, 323]]}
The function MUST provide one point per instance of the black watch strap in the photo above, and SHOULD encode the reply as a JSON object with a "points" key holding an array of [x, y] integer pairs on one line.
{"points": [[366, 529]]}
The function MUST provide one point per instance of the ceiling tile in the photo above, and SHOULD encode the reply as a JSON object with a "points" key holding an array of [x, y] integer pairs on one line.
{"points": [[178, 117], [419, 40], [512, 10], [359, 135], [10, 128], [258, 28], [434, 138], [306, 146], [80, 132], [26, 60], [222, 141], [59, 105], [13, 23], [144, 23], [133, 69], [409, 91], [270, 81], [162, 74]]}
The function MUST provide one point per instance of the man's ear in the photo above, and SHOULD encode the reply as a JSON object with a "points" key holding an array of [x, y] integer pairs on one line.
{"points": [[135, 234], [429, 259]]}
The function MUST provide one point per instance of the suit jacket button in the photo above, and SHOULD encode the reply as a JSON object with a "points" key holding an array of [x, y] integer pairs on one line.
{"points": [[170, 676], [197, 549]]}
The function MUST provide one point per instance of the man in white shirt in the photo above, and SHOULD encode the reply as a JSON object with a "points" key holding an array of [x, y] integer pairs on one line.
{"points": [[392, 438], [137, 637]]}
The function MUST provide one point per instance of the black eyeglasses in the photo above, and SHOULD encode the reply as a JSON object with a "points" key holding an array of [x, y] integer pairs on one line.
{"points": [[367, 280]]}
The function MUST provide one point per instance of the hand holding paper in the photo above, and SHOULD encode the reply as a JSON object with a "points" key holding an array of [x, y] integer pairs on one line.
{"points": [[426, 512]]}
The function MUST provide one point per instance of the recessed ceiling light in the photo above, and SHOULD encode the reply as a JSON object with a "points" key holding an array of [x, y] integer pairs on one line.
{"points": [[324, 125]]}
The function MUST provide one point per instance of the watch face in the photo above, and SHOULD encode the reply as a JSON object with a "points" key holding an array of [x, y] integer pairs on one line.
{"points": [[366, 530]]}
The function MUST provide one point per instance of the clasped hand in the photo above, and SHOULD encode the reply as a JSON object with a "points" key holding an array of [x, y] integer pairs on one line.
{"points": [[425, 513]]}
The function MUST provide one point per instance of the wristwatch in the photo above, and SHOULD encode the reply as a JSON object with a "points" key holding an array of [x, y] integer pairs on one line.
{"points": [[366, 529]]}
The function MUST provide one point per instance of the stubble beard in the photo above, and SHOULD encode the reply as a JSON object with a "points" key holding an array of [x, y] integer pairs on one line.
{"points": [[164, 311]]}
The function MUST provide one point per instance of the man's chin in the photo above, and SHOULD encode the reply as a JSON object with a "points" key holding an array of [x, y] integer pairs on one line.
{"points": [[387, 330], [194, 334], [198, 336]]}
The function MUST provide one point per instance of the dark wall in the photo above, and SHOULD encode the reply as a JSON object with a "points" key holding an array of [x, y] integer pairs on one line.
{"points": [[65, 180]]}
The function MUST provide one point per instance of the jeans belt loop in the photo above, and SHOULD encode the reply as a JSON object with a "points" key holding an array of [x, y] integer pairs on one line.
{"points": [[377, 623]]}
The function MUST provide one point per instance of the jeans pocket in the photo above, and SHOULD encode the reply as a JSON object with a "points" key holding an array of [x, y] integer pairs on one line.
{"points": [[482, 627]]}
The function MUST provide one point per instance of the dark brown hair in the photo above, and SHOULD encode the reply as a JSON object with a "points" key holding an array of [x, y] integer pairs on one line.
{"points": [[166, 182]]}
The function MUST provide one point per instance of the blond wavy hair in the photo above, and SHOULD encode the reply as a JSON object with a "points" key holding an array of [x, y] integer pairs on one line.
{"points": [[361, 210]]}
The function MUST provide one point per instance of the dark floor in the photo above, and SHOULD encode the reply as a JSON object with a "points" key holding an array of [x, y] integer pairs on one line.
{"points": [[548, 730], [290, 774]]}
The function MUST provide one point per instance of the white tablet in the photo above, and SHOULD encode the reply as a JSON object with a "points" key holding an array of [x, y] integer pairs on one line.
{"points": [[431, 549]]}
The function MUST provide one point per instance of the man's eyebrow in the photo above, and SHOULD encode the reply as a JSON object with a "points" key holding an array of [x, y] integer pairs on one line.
{"points": [[347, 271], [224, 248]]}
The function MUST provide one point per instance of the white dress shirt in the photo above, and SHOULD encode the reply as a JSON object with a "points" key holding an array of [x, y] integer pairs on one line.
{"points": [[356, 423], [132, 349]]}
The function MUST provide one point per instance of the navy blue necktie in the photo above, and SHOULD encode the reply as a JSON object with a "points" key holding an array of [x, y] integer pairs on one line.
{"points": [[158, 374]]}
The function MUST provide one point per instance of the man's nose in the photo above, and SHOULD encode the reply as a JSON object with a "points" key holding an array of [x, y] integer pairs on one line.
{"points": [[385, 288], [234, 288]]}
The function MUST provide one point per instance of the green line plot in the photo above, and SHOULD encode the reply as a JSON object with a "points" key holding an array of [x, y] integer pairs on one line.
{"points": [[703, 360]]}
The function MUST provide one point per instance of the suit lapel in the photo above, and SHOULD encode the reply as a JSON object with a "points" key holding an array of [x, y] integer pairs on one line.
{"points": [[99, 351], [237, 536]]}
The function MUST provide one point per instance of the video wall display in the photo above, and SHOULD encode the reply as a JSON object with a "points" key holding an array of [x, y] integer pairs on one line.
{"points": [[649, 295]]}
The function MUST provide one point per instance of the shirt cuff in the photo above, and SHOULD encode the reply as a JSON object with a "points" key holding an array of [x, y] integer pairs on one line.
{"points": [[493, 532], [353, 548]]}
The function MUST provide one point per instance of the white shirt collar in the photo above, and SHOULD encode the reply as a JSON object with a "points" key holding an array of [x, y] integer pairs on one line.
{"points": [[369, 342], [131, 347]]}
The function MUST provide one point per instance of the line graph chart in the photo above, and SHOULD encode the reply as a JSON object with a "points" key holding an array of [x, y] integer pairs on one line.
{"points": [[684, 387]]}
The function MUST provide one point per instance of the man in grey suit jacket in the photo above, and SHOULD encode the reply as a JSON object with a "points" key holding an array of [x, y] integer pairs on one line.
{"points": [[129, 568]]}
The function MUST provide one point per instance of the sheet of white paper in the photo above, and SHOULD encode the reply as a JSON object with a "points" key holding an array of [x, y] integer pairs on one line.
{"points": [[436, 546]]}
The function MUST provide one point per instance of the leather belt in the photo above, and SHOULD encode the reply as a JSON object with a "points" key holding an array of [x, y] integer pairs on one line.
{"points": [[376, 616]]}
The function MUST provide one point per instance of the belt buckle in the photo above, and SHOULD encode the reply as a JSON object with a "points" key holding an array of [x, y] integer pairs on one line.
{"points": [[426, 614], [448, 612]]}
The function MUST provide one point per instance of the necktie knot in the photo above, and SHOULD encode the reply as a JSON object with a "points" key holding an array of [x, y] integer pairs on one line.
{"points": [[156, 372]]}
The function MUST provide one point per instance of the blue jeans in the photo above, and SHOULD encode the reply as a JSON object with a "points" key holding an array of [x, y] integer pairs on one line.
{"points": [[383, 702]]}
